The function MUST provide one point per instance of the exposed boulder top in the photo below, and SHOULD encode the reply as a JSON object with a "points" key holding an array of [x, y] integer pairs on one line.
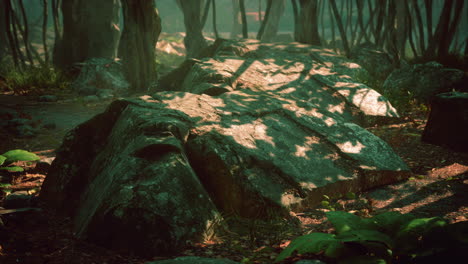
{"points": [[291, 69], [151, 174], [423, 80]]}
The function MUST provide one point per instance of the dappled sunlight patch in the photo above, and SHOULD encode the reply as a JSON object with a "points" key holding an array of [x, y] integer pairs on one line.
{"points": [[321, 70], [349, 147], [247, 134], [346, 84], [330, 121], [288, 199], [301, 151], [336, 108]]}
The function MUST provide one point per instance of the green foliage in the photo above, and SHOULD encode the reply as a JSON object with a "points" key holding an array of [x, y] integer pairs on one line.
{"points": [[34, 80], [390, 237], [9, 157]]}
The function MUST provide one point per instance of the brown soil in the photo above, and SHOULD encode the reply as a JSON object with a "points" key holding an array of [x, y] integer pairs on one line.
{"points": [[439, 187]]}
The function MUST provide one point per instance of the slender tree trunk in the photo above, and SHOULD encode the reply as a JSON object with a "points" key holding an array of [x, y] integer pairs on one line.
{"points": [[447, 39], [428, 4], [340, 27], [25, 33], [205, 12], [441, 30], [12, 44], [44, 32], [142, 27], [3, 30], [265, 20], [15, 29], [194, 41], [296, 17], [245, 33], [57, 32], [419, 25], [215, 29], [236, 24], [333, 37]]}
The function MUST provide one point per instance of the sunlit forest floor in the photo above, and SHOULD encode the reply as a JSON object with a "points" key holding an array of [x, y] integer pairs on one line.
{"points": [[438, 187]]}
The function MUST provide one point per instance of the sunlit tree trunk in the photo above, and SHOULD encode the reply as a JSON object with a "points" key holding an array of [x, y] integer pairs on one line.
{"points": [[142, 27]]}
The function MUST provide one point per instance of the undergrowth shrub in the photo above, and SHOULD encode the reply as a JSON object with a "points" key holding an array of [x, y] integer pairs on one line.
{"points": [[389, 237], [34, 80]]}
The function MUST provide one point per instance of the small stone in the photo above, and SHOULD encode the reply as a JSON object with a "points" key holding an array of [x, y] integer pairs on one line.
{"points": [[48, 98]]}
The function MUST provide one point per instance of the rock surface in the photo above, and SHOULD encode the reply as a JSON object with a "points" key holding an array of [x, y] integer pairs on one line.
{"points": [[448, 121], [100, 75], [152, 173], [378, 63], [423, 80]]}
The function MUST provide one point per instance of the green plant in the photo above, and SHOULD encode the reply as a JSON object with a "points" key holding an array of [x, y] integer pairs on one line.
{"points": [[9, 157], [389, 237], [35, 80]]}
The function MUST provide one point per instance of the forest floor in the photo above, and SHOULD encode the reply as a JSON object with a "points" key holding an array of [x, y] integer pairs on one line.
{"points": [[439, 187]]}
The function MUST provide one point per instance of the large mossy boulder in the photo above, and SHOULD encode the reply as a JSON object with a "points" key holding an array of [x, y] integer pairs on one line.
{"points": [[153, 173], [422, 81]]}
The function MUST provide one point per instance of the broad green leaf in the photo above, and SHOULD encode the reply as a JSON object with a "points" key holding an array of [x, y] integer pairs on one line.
{"points": [[2, 159], [312, 243], [12, 169], [413, 234], [365, 235], [343, 221], [19, 155], [391, 222]]}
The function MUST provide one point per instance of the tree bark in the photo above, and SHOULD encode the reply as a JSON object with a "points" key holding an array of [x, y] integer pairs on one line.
{"points": [[272, 24], [215, 29], [236, 24], [307, 31], [25, 33], [142, 27], [245, 32], [44, 31], [11, 42], [194, 41], [265, 20], [340, 27], [90, 30]]}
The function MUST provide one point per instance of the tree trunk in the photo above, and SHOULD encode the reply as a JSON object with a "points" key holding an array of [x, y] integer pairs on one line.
{"points": [[90, 30], [308, 23], [44, 32], [25, 33], [340, 27], [194, 41], [142, 27], [272, 24], [11, 42], [215, 29], [245, 32], [265, 20], [236, 23]]}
